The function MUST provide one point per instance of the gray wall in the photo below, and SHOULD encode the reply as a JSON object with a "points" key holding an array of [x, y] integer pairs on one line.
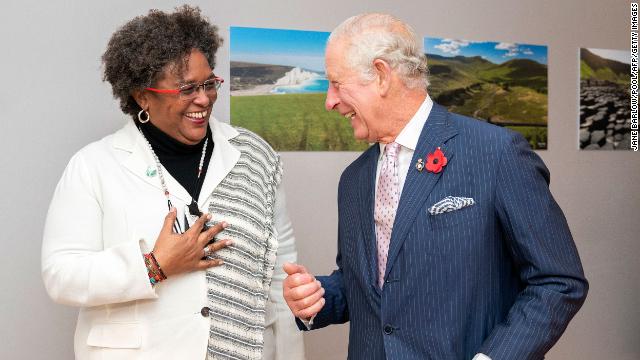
{"points": [[52, 102]]}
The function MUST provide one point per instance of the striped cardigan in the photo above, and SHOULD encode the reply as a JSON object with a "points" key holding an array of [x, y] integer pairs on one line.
{"points": [[238, 291]]}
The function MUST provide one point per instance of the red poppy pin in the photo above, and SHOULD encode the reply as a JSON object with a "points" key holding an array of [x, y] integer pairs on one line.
{"points": [[436, 161]]}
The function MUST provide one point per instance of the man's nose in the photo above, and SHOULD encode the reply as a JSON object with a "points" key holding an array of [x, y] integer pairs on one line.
{"points": [[332, 99]]}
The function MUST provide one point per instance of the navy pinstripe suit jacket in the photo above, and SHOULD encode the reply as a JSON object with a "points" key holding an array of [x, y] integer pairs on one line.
{"points": [[501, 277]]}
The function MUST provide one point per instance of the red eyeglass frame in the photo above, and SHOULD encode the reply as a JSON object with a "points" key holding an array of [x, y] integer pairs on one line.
{"points": [[177, 91]]}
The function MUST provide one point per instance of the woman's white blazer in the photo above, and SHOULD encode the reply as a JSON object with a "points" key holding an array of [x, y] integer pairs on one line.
{"points": [[107, 210]]}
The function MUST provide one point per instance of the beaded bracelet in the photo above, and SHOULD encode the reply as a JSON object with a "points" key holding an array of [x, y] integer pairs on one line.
{"points": [[155, 261], [151, 271], [154, 271], [159, 274]]}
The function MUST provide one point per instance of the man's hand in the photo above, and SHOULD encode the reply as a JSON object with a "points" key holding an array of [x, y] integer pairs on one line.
{"points": [[303, 293]]}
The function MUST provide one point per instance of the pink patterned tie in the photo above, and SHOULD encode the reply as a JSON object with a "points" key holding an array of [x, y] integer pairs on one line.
{"points": [[387, 197]]}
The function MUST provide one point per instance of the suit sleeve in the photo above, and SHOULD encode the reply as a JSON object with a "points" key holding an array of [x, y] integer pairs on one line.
{"points": [[76, 268], [538, 238]]}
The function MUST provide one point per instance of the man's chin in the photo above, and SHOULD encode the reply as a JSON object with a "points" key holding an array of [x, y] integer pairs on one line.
{"points": [[360, 135]]}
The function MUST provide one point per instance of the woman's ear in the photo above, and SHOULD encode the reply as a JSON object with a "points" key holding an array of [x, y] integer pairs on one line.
{"points": [[141, 97], [383, 79]]}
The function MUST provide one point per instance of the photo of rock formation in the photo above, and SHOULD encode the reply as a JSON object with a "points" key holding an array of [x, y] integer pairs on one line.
{"points": [[278, 88], [502, 83], [605, 108]]}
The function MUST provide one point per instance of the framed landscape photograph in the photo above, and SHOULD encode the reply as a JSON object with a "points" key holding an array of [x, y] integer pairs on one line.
{"points": [[278, 89], [502, 83], [605, 101]]}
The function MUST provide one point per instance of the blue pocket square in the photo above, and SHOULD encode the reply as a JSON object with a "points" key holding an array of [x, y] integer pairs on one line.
{"points": [[450, 203]]}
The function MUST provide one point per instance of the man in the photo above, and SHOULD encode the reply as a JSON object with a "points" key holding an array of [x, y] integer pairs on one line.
{"points": [[450, 245]]}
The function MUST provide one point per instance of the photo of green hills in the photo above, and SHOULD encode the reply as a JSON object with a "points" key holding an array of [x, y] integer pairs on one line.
{"points": [[502, 83], [605, 101]]}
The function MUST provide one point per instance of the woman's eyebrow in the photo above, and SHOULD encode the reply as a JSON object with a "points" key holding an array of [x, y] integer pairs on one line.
{"points": [[185, 82]]}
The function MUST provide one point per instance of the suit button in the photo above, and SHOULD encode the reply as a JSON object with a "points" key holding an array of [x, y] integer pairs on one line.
{"points": [[388, 329], [205, 311]]}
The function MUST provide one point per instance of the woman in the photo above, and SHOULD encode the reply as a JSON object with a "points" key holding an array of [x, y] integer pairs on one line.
{"points": [[125, 237]]}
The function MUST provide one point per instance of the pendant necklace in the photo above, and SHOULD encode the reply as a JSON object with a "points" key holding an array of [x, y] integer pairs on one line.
{"points": [[193, 207]]}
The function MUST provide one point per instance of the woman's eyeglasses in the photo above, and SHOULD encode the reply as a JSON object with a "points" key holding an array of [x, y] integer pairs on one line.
{"points": [[190, 91]]}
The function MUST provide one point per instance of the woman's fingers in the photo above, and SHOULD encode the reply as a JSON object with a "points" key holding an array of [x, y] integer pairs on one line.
{"points": [[219, 245], [213, 247], [198, 244], [206, 236], [169, 220], [205, 264], [198, 225]]}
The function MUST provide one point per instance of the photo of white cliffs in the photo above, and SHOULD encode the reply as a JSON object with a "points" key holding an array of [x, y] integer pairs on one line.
{"points": [[264, 79]]}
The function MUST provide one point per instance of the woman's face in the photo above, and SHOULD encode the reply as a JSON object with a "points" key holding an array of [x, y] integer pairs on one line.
{"points": [[183, 120]]}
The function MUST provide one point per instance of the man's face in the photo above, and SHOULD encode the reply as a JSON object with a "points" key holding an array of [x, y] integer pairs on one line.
{"points": [[348, 95]]}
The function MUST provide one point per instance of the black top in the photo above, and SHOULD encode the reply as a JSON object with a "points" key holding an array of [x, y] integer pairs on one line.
{"points": [[180, 160]]}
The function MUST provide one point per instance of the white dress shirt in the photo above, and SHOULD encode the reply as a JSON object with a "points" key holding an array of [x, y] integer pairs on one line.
{"points": [[408, 139]]}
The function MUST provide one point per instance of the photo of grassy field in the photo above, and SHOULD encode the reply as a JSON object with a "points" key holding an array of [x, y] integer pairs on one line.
{"points": [[605, 101], [502, 83], [295, 122], [278, 88]]}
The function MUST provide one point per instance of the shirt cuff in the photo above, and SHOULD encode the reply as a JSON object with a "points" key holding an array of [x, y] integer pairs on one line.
{"points": [[481, 356], [309, 323]]}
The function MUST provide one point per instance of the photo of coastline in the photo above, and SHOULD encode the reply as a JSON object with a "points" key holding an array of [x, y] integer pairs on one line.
{"points": [[502, 83], [278, 89], [605, 102]]}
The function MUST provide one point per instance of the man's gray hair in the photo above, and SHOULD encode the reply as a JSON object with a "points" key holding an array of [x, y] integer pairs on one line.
{"points": [[374, 36]]}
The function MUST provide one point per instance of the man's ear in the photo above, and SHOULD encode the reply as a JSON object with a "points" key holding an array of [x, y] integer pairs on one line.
{"points": [[141, 97], [384, 73]]}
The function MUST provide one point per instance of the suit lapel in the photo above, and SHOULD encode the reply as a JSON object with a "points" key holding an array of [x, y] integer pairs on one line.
{"points": [[418, 185], [367, 197], [141, 163]]}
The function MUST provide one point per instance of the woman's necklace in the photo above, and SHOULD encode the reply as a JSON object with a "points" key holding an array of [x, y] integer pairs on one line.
{"points": [[193, 207]]}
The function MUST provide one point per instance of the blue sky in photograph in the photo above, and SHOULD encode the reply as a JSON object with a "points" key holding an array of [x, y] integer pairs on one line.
{"points": [[304, 49], [496, 52]]}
